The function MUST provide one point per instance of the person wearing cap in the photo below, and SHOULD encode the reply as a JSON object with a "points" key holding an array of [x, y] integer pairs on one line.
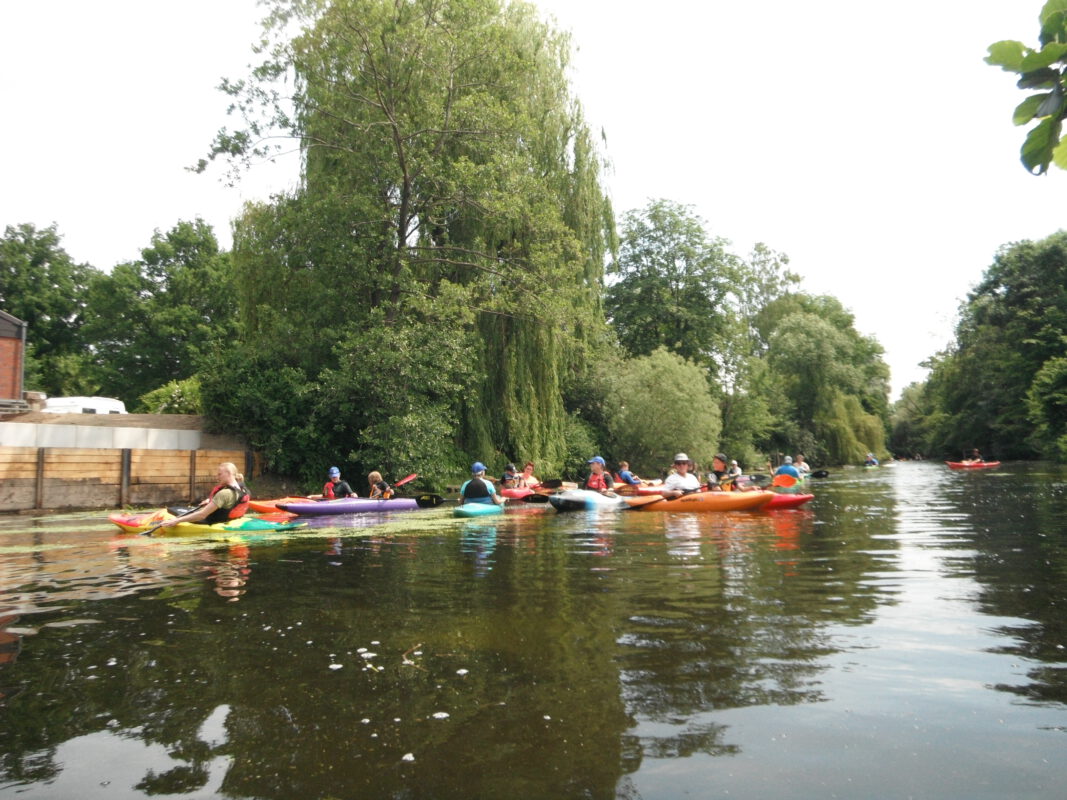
{"points": [[681, 480], [598, 479], [719, 477], [335, 488], [510, 478], [787, 468], [734, 470], [478, 489]]}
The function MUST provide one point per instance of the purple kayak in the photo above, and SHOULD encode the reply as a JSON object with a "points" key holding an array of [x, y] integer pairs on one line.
{"points": [[350, 505]]}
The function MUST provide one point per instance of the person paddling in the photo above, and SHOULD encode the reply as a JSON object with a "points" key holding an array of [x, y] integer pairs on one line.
{"points": [[478, 489], [527, 480], [228, 500], [625, 476], [787, 468], [681, 480]]}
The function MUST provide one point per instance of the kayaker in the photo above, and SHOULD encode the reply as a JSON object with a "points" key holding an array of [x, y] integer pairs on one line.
{"points": [[871, 461], [228, 500], [735, 470], [719, 477], [681, 480], [803, 467], [787, 468], [598, 479], [624, 475], [527, 480], [379, 489], [974, 458], [478, 489], [510, 478], [335, 488]]}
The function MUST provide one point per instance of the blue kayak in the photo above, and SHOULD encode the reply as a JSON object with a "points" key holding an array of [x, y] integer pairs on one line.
{"points": [[477, 510]]}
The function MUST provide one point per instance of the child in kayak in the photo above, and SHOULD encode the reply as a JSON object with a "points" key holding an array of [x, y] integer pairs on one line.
{"points": [[379, 489]]}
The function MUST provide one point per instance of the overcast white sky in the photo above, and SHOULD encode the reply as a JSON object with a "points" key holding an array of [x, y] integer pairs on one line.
{"points": [[867, 141]]}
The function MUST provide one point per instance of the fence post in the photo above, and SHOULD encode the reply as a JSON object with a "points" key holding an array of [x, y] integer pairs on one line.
{"points": [[38, 493], [192, 476], [124, 480]]}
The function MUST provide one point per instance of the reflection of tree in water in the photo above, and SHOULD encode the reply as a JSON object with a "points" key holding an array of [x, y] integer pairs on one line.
{"points": [[1017, 554], [735, 616], [535, 712]]}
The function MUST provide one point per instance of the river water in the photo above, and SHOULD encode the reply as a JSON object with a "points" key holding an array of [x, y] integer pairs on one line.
{"points": [[901, 636]]}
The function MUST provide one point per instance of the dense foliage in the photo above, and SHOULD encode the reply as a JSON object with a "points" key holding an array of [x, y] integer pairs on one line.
{"points": [[450, 186], [1001, 386], [1044, 70]]}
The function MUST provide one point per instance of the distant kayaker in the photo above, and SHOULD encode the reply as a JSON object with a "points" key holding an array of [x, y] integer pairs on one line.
{"points": [[787, 468], [527, 480], [598, 479], [719, 477], [974, 458], [478, 489], [335, 488], [735, 470], [510, 478], [681, 480], [379, 489], [228, 500], [624, 475], [803, 467], [871, 461]]}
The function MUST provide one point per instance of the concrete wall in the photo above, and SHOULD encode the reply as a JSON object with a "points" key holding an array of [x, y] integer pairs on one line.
{"points": [[25, 434]]}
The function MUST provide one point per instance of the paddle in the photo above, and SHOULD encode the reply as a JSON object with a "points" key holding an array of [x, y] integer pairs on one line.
{"points": [[551, 483], [535, 498], [820, 473], [408, 479], [429, 500]]}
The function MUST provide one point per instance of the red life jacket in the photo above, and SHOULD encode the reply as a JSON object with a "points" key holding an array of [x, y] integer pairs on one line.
{"points": [[238, 510], [597, 482]]}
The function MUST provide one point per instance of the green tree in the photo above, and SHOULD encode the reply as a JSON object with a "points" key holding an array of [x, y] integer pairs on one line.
{"points": [[150, 321], [41, 285], [674, 285], [661, 404], [1044, 70], [444, 160], [1046, 402]]}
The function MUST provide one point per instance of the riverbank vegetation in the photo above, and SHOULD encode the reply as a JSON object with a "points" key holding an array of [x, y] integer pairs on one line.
{"points": [[448, 281]]}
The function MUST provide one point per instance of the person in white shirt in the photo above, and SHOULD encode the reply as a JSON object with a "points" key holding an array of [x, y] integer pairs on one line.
{"points": [[682, 480]]}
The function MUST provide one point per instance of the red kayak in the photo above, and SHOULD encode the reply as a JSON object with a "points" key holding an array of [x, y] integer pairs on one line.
{"points": [[972, 464], [788, 501]]}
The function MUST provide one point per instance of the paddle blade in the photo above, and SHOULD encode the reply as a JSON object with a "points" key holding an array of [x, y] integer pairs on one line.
{"points": [[784, 481], [551, 483], [429, 500], [820, 473], [407, 479], [535, 498]]}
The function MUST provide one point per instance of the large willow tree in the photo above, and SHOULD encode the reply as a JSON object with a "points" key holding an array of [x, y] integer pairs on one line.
{"points": [[449, 183]]}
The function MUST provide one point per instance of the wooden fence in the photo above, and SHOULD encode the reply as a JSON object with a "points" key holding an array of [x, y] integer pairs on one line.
{"points": [[62, 477]]}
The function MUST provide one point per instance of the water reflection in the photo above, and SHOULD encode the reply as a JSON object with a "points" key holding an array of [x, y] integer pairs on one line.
{"points": [[553, 655]]}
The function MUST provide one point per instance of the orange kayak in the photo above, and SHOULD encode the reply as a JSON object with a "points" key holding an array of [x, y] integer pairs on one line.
{"points": [[712, 501], [269, 506]]}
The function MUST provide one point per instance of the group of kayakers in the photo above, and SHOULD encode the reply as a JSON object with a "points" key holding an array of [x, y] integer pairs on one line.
{"points": [[337, 489]]}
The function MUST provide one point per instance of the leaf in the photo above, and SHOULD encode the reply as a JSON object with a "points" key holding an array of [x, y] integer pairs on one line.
{"points": [[1027, 109], [1007, 54], [1051, 105], [1044, 78], [1059, 154], [1047, 55], [1037, 149], [1053, 21]]}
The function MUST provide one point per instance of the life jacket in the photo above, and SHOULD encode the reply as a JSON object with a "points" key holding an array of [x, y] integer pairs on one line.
{"points": [[238, 510], [476, 489], [598, 482]]}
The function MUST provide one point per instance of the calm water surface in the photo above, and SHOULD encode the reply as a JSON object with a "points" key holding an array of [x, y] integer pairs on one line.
{"points": [[902, 636]]}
